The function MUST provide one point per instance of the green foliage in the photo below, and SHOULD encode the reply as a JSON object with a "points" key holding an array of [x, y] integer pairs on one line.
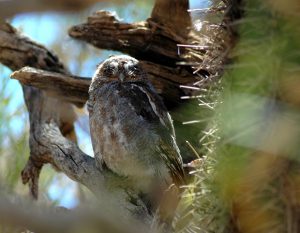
{"points": [[14, 146], [250, 180]]}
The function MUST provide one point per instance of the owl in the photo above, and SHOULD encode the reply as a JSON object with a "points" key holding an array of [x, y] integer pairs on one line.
{"points": [[131, 130]]}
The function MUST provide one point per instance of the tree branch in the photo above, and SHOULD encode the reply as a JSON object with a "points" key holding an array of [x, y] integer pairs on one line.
{"points": [[69, 88], [47, 124], [143, 40], [152, 40], [75, 89], [16, 52]]}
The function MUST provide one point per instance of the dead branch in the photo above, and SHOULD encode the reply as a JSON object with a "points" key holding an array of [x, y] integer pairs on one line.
{"points": [[74, 89], [143, 40], [153, 41], [47, 130], [16, 52]]}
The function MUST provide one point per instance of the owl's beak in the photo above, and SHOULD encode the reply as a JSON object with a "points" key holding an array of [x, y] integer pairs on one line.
{"points": [[121, 77]]}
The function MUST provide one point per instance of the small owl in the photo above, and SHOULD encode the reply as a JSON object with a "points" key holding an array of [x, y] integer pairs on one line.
{"points": [[132, 132]]}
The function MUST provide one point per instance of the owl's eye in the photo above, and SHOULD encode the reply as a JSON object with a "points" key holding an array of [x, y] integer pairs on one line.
{"points": [[110, 69], [132, 69]]}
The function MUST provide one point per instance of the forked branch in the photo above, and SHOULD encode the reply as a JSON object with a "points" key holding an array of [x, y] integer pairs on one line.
{"points": [[51, 121]]}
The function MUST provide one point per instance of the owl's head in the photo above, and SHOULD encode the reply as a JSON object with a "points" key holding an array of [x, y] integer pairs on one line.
{"points": [[120, 68]]}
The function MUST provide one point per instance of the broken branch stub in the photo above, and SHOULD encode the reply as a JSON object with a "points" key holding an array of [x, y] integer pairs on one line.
{"points": [[69, 88]]}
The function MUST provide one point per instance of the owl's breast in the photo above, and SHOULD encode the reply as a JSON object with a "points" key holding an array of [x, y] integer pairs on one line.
{"points": [[125, 133]]}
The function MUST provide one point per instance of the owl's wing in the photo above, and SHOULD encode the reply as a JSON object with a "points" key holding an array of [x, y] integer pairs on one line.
{"points": [[153, 109], [150, 106], [95, 127], [95, 140], [170, 154]]}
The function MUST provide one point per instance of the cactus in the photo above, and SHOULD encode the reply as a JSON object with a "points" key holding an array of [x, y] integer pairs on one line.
{"points": [[250, 180]]}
